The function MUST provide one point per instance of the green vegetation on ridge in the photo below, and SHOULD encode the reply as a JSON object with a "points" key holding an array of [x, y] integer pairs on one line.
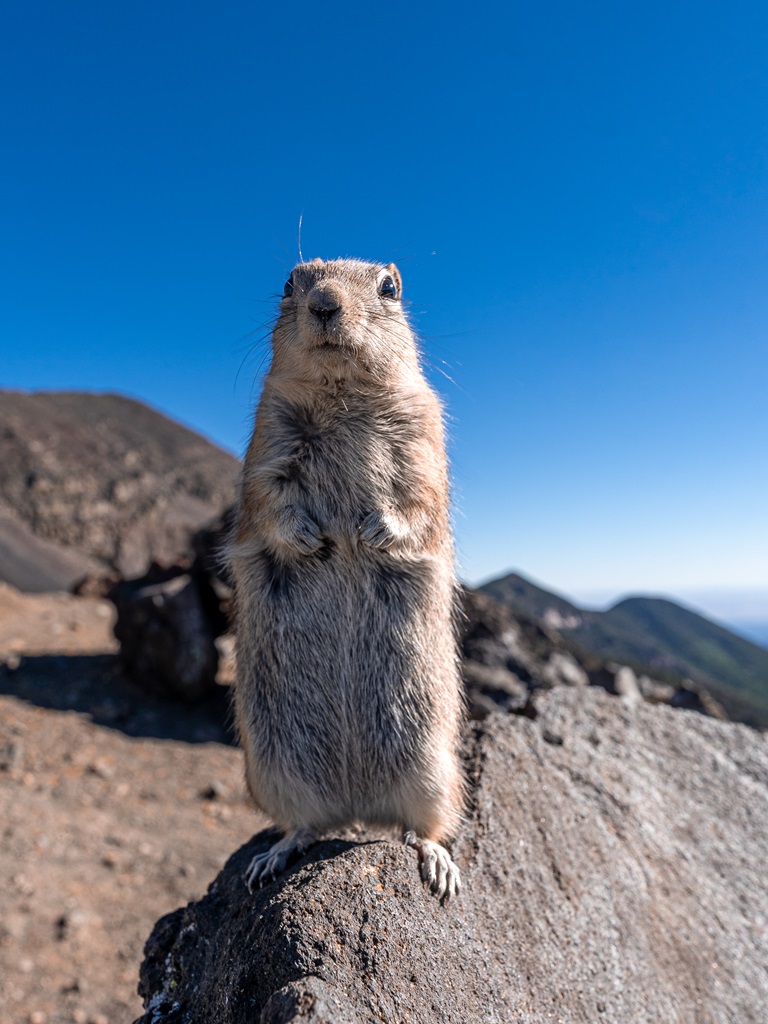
{"points": [[658, 637]]}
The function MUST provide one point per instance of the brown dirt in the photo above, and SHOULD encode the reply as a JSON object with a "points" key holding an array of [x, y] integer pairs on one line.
{"points": [[115, 808]]}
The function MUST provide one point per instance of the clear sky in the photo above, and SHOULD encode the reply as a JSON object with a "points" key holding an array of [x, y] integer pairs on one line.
{"points": [[577, 196]]}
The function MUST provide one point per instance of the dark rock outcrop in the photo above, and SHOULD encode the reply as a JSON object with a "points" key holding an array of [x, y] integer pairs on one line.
{"points": [[507, 657], [167, 641], [167, 631], [102, 481], [169, 619], [613, 862]]}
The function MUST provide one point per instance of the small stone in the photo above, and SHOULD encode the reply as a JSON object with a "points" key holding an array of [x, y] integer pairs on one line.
{"points": [[626, 685], [102, 768], [38, 1017], [23, 884], [215, 791], [73, 920], [10, 756]]}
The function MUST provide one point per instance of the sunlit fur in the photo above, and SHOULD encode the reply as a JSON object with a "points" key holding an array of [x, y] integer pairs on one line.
{"points": [[348, 694]]}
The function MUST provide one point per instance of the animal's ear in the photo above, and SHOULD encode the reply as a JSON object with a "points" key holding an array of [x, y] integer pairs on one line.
{"points": [[394, 273]]}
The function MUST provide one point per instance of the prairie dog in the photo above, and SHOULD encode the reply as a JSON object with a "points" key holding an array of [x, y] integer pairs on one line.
{"points": [[348, 695]]}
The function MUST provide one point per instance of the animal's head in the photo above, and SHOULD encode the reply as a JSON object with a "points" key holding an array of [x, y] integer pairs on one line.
{"points": [[343, 316]]}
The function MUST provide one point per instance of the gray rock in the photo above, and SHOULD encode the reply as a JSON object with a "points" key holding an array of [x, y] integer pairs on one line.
{"points": [[562, 669], [654, 690], [626, 684], [694, 697], [614, 869], [167, 640], [34, 564], [493, 689], [507, 656], [621, 681]]}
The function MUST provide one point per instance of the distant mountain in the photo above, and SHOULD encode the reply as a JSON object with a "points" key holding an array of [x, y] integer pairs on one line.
{"points": [[657, 637], [95, 481], [526, 598], [752, 629]]}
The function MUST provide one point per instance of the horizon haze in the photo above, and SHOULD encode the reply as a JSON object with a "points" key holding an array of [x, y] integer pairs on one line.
{"points": [[743, 611]]}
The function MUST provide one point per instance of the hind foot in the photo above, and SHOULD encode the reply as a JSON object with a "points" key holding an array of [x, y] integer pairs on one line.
{"points": [[437, 868], [268, 865]]}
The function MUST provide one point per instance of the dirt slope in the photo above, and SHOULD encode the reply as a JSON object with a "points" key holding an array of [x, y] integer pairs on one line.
{"points": [[114, 808]]}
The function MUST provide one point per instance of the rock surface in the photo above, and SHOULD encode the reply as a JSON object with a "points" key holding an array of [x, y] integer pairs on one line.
{"points": [[35, 565], [169, 620], [507, 657], [613, 861], [99, 480], [167, 637]]}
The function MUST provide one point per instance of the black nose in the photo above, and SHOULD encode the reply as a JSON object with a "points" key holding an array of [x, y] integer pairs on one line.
{"points": [[325, 299], [324, 312]]}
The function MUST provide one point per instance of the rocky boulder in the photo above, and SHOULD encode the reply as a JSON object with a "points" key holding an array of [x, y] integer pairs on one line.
{"points": [[167, 641], [613, 860], [507, 656], [169, 619]]}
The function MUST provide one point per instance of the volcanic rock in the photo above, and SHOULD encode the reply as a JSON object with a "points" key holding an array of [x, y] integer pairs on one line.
{"points": [[508, 656], [167, 636], [613, 861]]}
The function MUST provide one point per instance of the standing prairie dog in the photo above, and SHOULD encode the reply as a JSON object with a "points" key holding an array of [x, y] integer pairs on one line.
{"points": [[348, 695]]}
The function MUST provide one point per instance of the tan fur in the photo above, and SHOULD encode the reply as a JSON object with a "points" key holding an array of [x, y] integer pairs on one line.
{"points": [[348, 691]]}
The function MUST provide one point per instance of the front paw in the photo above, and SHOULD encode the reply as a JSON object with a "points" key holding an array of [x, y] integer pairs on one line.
{"points": [[298, 531], [382, 530]]}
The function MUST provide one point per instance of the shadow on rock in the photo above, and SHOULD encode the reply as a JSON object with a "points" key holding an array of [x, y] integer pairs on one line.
{"points": [[96, 686]]}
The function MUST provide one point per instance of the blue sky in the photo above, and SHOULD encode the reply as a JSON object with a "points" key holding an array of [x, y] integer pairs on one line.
{"points": [[577, 196]]}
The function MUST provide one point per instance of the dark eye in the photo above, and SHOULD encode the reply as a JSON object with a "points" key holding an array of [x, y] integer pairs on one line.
{"points": [[388, 288], [288, 288]]}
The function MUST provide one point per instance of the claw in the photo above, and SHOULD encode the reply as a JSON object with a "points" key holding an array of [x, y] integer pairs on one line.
{"points": [[265, 867], [437, 868]]}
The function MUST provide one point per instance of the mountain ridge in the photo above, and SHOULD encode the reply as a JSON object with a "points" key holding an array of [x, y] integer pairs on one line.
{"points": [[100, 479], [657, 636]]}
